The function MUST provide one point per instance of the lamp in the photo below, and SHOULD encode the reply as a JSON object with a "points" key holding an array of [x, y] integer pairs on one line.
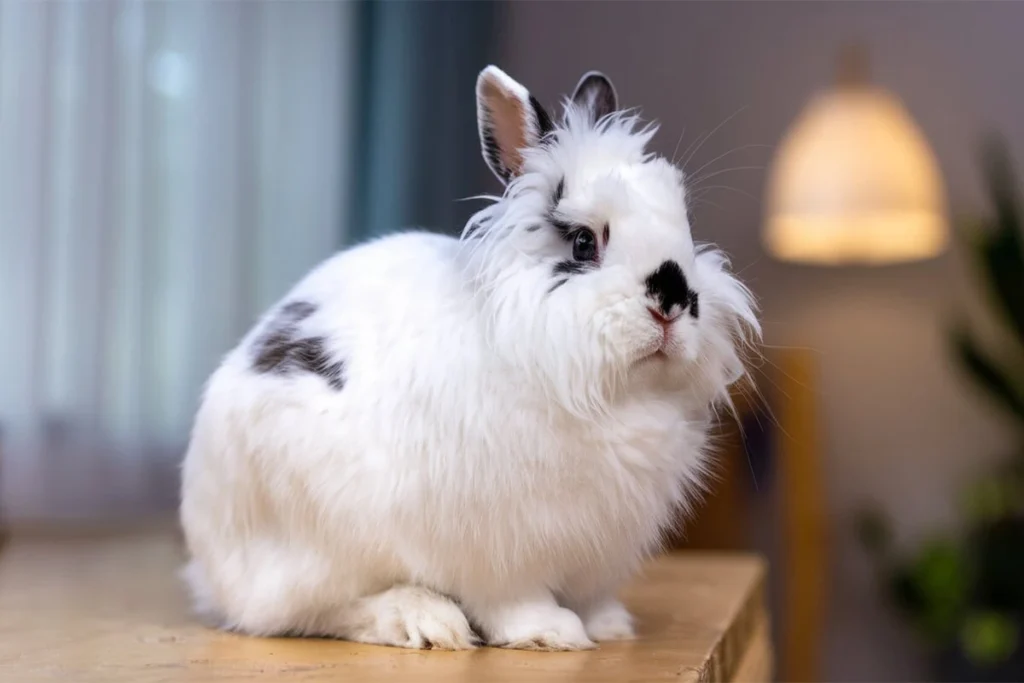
{"points": [[854, 181]]}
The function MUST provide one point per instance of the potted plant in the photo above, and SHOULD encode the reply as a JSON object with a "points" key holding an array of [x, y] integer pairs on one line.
{"points": [[963, 592]]}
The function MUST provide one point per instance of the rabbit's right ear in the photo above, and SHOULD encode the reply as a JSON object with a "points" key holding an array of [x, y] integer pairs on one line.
{"points": [[510, 120]]}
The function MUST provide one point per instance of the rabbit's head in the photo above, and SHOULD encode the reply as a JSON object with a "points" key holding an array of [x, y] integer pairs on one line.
{"points": [[586, 273]]}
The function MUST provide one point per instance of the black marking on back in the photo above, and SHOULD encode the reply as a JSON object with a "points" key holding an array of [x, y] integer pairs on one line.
{"points": [[280, 349], [668, 286], [310, 355]]}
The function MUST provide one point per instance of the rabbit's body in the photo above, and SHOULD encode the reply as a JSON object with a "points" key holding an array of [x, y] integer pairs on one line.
{"points": [[395, 446]]}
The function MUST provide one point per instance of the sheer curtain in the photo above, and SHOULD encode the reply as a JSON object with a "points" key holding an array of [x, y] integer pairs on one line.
{"points": [[167, 169]]}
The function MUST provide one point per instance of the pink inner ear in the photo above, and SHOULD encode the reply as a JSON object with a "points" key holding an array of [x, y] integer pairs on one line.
{"points": [[508, 118]]}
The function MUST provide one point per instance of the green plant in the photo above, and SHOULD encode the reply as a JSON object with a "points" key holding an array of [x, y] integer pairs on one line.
{"points": [[964, 592]]}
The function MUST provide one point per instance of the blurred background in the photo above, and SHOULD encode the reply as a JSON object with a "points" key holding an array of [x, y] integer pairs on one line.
{"points": [[169, 169]]}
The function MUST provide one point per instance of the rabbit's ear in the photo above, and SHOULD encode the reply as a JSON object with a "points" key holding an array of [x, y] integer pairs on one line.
{"points": [[596, 94], [510, 120]]}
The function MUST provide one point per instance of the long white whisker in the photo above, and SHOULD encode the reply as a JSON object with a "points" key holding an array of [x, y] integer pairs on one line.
{"points": [[707, 137], [711, 175], [707, 188], [722, 156]]}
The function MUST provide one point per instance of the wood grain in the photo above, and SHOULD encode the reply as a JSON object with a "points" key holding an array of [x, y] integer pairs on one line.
{"points": [[109, 608]]}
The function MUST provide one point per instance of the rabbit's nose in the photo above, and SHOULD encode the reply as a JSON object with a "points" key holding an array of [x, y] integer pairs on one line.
{"points": [[668, 288], [661, 318]]}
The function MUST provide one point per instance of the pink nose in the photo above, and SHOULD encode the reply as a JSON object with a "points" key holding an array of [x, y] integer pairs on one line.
{"points": [[661, 318]]}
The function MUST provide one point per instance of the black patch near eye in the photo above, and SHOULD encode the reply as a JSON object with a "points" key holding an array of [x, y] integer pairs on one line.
{"points": [[280, 350], [559, 193], [564, 228], [694, 304], [570, 267], [607, 234], [558, 284]]}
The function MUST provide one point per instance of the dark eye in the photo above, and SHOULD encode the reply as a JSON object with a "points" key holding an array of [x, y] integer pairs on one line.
{"points": [[584, 246]]}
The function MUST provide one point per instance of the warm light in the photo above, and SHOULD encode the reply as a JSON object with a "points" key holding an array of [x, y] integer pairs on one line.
{"points": [[854, 181]]}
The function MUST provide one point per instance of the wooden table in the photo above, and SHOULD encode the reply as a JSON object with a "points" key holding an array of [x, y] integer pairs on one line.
{"points": [[108, 608]]}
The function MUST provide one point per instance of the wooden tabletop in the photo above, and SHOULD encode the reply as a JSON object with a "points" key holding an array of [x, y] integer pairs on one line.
{"points": [[108, 607]]}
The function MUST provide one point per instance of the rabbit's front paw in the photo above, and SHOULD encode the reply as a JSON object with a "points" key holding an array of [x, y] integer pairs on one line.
{"points": [[412, 617], [609, 621], [536, 626]]}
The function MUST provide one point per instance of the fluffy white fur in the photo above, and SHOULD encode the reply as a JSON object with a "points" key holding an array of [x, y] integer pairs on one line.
{"points": [[504, 452]]}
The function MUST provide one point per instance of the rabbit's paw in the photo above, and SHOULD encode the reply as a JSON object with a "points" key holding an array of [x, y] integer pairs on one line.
{"points": [[536, 626], [609, 621], [412, 617]]}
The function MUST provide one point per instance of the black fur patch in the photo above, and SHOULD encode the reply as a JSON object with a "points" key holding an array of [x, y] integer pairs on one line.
{"points": [[559, 193], [280, 350], [544, 123], [570, 267], [694, 304], [607, 234], [668, 286], [558, 284], [564, 228]]}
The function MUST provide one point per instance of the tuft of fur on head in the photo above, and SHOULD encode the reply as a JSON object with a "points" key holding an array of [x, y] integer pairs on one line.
{"points": [[577, 329]]}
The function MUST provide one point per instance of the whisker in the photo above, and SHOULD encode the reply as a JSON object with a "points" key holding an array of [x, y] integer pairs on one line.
{"points": [[746, 194], [678, 142], [792, 348], [744, 269], [727, 170], [722, 156], [700, 201], [707, 136]]}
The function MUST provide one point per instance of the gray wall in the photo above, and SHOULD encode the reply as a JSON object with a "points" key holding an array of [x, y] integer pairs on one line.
{"points": [[900, 425]]}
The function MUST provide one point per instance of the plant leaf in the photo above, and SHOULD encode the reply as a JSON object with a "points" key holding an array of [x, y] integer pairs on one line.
{"points": [[1000, 248], [995, 380]]}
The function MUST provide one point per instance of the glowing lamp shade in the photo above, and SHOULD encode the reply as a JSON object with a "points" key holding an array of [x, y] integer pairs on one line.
{"points": [[854, 182]]}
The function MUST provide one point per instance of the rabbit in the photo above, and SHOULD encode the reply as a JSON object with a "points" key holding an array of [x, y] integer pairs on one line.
{"points": [[445, 442]]}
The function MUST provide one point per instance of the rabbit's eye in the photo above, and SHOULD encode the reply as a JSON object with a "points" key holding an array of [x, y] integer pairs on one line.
{"points": [[584, 246]]}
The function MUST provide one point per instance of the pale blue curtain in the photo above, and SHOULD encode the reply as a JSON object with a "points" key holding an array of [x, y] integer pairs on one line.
{"points": [[167, 170], [418, 149]]}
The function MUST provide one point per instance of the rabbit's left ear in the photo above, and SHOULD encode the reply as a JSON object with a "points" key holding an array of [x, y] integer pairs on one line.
{"points": [[596, 94], [510, 120]]}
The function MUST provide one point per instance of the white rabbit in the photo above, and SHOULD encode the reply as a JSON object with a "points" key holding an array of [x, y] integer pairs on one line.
{"points": [[430, 432]]}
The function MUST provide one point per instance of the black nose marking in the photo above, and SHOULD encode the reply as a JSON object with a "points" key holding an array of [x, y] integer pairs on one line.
{"points": [[667, 285]]}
